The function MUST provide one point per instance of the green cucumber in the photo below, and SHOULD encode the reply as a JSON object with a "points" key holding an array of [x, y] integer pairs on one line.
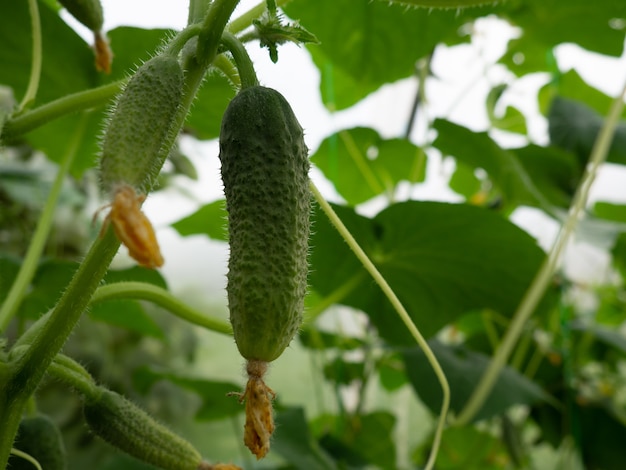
{"points": [[39, 437], [133, 146], [265, 173], [124, 425]]}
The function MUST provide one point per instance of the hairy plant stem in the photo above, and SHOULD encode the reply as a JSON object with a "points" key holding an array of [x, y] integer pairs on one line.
{"points": [[161, 297], [37, 243], [212, 28], [402, 313], [29, 368], [23, 123], [548, 268], [37, 56], [242, 59]]}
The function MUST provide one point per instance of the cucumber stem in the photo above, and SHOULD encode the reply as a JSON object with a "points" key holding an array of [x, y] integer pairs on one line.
{"points": [[242, 60], [212, 28]]}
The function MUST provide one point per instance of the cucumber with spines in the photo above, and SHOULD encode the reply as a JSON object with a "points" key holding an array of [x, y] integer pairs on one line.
{"points": [[265, 173], [140, 125]]}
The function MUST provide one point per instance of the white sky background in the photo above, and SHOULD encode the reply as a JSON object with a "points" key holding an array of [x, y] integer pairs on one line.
{"points": [[196, 264]]}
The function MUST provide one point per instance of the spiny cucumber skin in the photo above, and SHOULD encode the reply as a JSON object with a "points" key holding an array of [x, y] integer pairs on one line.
{"points": [[122, 424], [139, 127], [87, 12], [265, 173]]}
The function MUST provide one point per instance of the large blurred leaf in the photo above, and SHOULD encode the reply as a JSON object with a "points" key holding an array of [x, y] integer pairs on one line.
{"points": [[359, 441], [205, 118], [372, 43], [136, 274], [131, 47], [441, 260], [605, 335], [463, 369], [533, 175], [216, 404], [545, 23], [68, 62], [293, 441], [128, 314], [599, 434], [610, 211], [362, 165], [574, 126], [9, 267], [49, 281], [511, 120], [467, 448], [571, 85], [209, 220]]}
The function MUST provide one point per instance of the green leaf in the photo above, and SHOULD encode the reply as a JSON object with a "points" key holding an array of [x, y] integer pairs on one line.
{"points": [[342, 372], [9, 267], [533, 175], [391, 372], [360, 441], [546, 23], [68, 63], [610, 211], [319, 340], [293, 441], [467, 448], [49, 281], [375, 43], [204, 120], [209, 220], [512, 120], [442, 260], [570, 85], [136, 274], [463, 369], [128, 314], [131, 47], [362, 165], [464, 180], [574, 126], [216, 404], [619, 253], [609, 337]]}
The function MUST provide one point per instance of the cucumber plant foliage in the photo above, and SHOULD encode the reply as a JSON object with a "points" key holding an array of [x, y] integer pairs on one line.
{"points": [[110, 361]]}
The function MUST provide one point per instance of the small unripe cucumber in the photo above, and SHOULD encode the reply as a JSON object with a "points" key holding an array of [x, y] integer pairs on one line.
{"points": [[88, 12], [265, 174], [40, 438], [122, 424], [133, 147]]}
